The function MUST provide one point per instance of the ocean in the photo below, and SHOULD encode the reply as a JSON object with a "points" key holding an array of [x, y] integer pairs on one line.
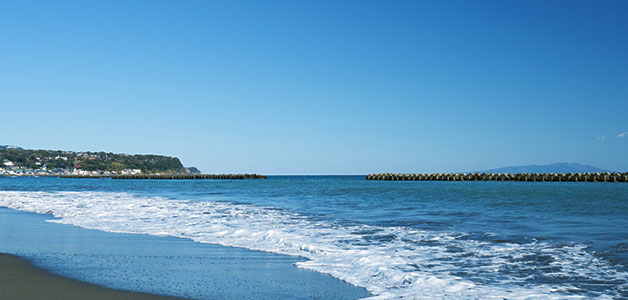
{"points": [[397, 240]]}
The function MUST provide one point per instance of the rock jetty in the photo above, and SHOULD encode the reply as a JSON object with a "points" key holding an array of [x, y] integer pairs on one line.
{"points": [[192, 176], [532, 177]]}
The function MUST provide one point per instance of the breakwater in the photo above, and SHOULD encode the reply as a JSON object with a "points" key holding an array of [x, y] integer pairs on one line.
{"points": [[83, 176], [531, 177], [192, 176]]}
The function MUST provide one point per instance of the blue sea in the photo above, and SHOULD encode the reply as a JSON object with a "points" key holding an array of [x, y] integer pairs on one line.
{"points": [[394, 240]]}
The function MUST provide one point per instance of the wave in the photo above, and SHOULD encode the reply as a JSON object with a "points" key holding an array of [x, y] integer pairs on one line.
{"points": [[390, 262]]}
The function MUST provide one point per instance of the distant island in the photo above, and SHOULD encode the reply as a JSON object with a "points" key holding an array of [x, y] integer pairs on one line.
{"points": [[551, 168], [16, 161]]}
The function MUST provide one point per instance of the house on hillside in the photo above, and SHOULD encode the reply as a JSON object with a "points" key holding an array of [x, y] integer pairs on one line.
{"points": [[131, 172]]}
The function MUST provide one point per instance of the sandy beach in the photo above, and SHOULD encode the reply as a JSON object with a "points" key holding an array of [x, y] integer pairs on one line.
{"points": [[19, 279], [156, 265]]}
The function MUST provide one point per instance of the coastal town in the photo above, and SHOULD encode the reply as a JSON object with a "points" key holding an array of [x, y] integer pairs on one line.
{"points": [[10, 169], [19, 162]]}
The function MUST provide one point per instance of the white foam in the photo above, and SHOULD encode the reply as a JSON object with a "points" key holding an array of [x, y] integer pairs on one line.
{"points": [[412, 264]]}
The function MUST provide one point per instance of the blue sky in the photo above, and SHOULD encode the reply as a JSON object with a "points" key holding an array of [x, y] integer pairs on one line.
{"points": [[320, 87]]}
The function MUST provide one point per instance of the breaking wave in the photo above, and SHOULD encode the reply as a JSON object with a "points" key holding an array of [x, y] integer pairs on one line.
{"points": [[390, 262]]}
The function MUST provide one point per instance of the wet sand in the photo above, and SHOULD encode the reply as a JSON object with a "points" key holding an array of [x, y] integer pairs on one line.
{"points": [[21, 280], [153, 264]]}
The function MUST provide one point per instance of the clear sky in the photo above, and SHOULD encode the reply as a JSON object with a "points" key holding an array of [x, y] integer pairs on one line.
{"points": [[320, 87]]}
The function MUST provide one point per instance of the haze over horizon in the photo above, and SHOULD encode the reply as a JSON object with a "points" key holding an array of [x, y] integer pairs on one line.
{"points": [[325, 87]]}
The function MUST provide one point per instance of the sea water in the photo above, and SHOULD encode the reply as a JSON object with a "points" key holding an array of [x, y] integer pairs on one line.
{"points": [[399, 240]]}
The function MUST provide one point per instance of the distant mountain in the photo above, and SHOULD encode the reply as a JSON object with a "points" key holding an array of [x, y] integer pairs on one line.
{"points": [[553, 168]]}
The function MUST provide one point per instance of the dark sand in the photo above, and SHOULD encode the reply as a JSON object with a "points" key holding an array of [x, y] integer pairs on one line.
{"points": [[21, 280]]}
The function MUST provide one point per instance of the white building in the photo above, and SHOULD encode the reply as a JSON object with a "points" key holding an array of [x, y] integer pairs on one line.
{"points": [[131, 172]]}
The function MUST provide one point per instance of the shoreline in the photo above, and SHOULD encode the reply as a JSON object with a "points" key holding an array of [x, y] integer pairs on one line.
{"points": [[158, 265], [20, 279], [146, 176]]}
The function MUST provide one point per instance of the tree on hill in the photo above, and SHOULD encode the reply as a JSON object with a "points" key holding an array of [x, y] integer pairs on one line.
{"points": [[92, 161]]}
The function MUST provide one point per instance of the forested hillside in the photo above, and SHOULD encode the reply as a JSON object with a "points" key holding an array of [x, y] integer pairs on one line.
{"points": [[91, 161]]}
